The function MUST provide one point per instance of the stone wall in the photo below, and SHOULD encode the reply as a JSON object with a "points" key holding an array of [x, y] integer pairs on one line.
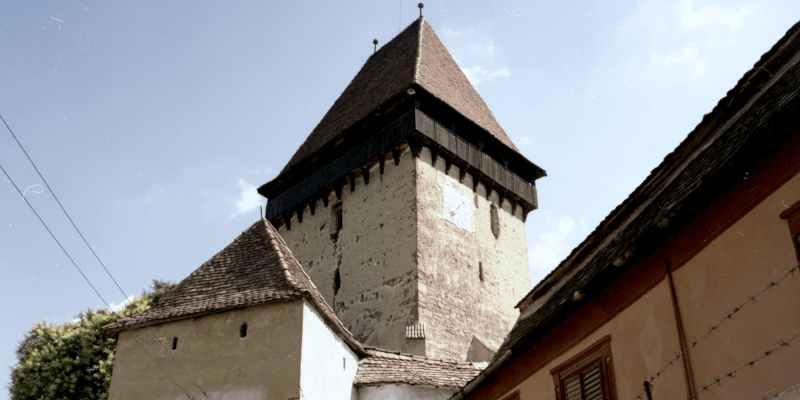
{"points": [[469, 280], [415, 245], [263, 365], [367, 271]]}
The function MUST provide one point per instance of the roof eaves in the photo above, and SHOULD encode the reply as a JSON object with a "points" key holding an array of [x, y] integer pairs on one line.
{"points": [[665, 173]]}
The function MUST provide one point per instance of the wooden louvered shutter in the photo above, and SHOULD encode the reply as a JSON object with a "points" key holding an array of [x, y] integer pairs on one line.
{"points": [[586, 376], [586, 385], [592, 384]]}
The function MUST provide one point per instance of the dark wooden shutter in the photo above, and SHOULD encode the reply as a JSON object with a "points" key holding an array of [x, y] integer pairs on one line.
{"points": [[587, 385], [572, 388], [592, 384]]}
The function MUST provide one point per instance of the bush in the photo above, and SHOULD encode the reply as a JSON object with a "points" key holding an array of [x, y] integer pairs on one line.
{"points": [[73, 360]]}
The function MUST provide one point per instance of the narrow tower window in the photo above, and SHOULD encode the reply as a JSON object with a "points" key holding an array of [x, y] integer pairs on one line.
{"points": [[480, 271], [243, 330], [495, 219], [174, 343], [336, 220], [337, 282]]}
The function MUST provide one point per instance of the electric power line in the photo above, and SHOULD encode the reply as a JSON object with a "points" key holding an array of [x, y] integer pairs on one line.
{"points": [[85, 278], [93, 252]]}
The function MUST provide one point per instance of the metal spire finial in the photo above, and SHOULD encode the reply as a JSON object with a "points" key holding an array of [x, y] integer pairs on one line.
{"points": [[375, 42], [420, 5]]}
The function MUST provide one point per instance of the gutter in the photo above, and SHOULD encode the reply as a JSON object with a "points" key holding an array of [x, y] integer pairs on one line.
{"points": [[463, 392]]}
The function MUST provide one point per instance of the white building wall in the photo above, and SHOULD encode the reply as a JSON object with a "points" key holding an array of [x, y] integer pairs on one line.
{"points": [[327, 364], [404, 392]]}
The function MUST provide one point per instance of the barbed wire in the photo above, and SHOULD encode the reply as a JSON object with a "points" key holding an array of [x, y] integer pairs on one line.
{"points": [[766, 354], [728, 316]]}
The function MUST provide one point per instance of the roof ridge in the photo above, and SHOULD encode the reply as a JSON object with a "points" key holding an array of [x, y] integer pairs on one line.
{"points": [[384, 353], [281, 260], [419, 50]]}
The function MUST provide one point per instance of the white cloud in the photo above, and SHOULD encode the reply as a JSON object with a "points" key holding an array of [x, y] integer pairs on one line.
{"points": [[550, 247], [478, 74], [584, 226], [526, 141], [475, 51], [248, 199], [685, 58], [711, 17], [118, 306]]}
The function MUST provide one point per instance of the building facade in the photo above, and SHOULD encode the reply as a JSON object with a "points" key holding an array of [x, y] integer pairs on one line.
{"points": [[689, 288]]}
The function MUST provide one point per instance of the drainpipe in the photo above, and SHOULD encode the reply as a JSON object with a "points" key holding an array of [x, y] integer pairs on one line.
{"points": [[687, 365]]}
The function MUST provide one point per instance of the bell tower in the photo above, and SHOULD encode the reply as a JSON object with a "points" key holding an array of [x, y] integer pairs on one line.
{"points": [[406, 206]]}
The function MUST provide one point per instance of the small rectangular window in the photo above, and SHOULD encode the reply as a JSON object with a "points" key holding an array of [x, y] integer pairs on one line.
{"points": [[336, 220], [174, 343], [587, 376]]}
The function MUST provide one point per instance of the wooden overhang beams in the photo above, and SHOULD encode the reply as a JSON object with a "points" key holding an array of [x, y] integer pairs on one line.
{"points": [[417, 128]]}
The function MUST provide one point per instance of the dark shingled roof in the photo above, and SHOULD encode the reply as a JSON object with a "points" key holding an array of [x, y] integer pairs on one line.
{"points": [[769, 87], [415, 57], [256, 268], [383, 367]]}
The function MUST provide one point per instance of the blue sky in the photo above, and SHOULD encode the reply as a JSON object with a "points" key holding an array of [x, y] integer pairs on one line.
{"points": [[154, 122]]}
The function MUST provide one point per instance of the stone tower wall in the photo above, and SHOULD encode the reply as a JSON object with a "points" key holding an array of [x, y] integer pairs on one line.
{"points": [[374, 253], [469, 280]]}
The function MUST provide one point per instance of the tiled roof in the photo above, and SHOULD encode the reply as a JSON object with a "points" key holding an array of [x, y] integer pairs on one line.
{"points": [[763, 91], [382, 367], [256, 268], [415, 57]]}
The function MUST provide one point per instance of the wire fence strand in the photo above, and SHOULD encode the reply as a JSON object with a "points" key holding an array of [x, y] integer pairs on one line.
{"points": [[782, 343], [728, 316]]}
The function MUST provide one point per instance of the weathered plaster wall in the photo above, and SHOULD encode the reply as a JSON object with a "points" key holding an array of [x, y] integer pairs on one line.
{"points": [[404, 392], [469, 280], [643, 338], [328, 365], [264, 365], [374, 253], [740, 262]]}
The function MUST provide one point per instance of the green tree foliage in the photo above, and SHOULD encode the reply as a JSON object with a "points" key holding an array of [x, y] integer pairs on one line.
{"points": [[73, 360]]}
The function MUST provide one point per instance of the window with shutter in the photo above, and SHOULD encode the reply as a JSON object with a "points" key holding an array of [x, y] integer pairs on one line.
{"points": [[587, 376]]}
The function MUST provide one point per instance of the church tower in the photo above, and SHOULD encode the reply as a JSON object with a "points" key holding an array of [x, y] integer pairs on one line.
{"points": [[406, 206]]}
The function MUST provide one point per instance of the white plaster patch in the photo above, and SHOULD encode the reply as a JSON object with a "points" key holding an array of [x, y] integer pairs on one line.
{"points": [[328, 365], [456, 205]]}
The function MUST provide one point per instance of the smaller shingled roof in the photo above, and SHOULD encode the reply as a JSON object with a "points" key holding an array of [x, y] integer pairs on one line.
{"points": [[257, 268], [384, 367]]}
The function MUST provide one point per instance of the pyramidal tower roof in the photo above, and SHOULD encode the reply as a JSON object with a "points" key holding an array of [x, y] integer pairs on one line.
{"points": [[257, 268], [414, 58]]}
